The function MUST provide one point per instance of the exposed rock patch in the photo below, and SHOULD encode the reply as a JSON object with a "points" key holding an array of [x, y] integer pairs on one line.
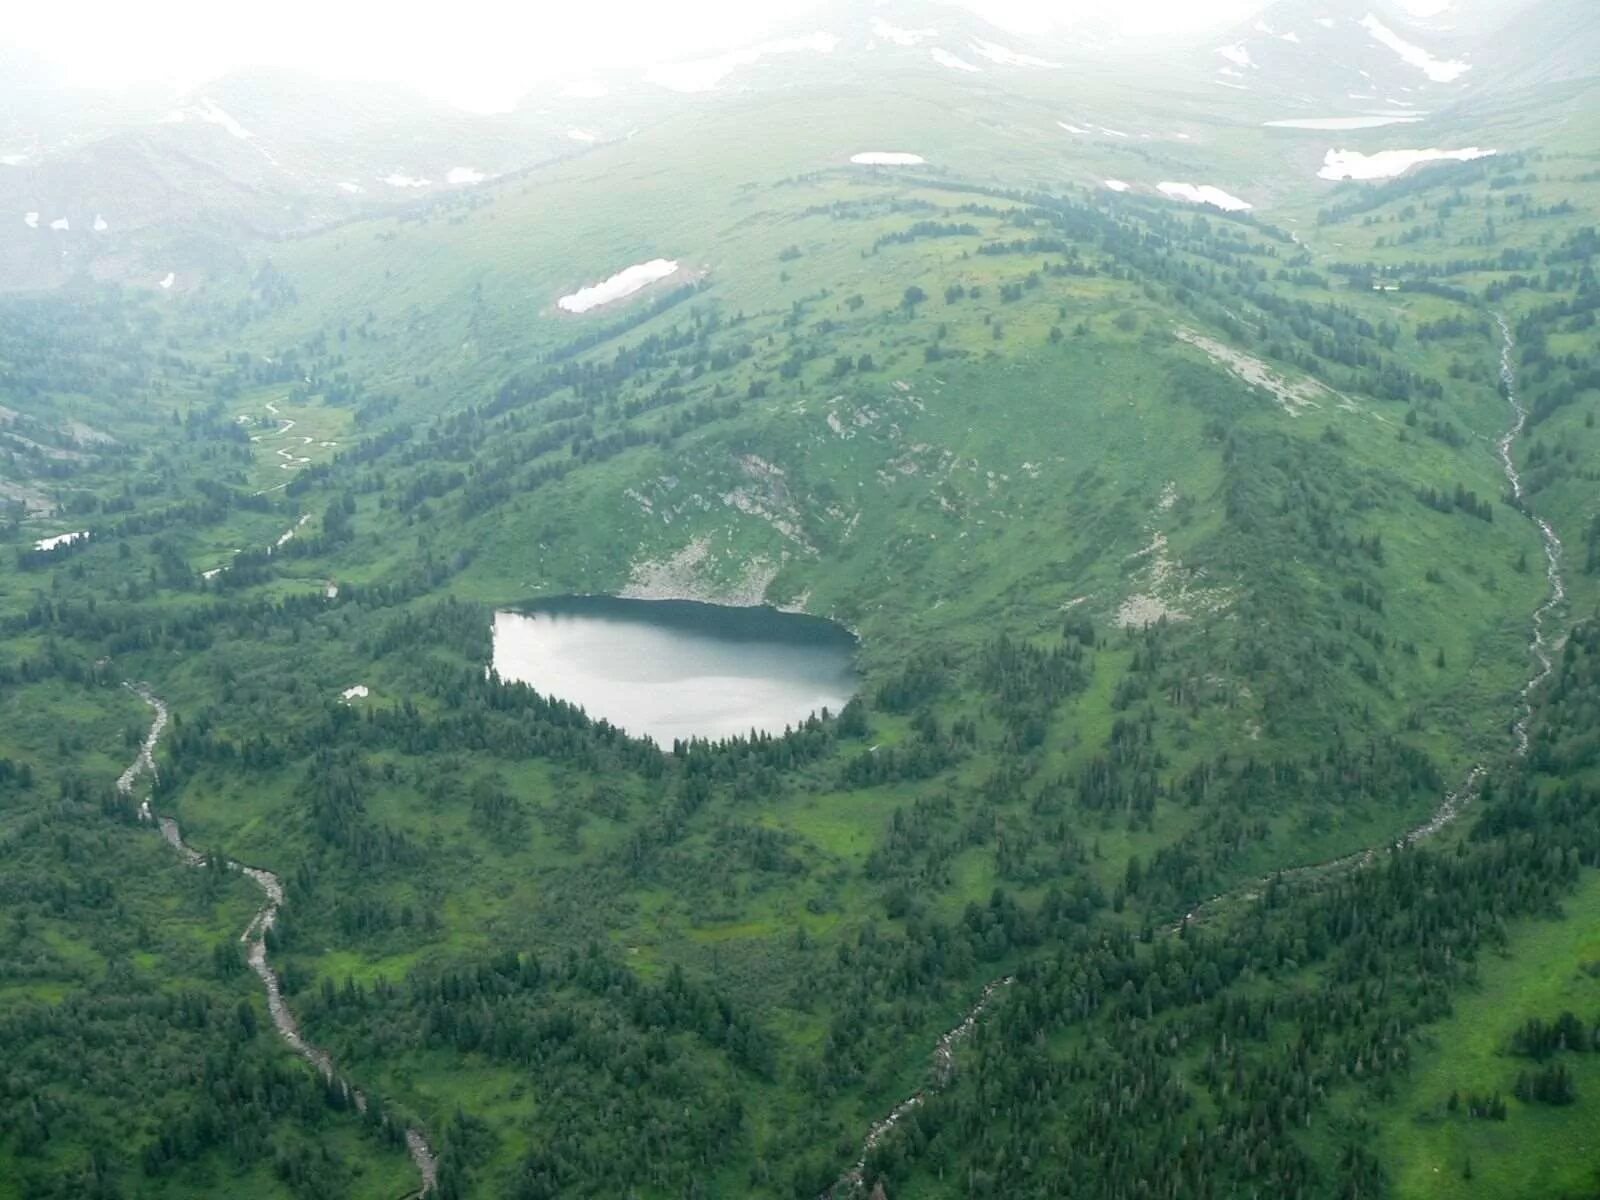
{"points": [[686, 575], [1295, 396]]}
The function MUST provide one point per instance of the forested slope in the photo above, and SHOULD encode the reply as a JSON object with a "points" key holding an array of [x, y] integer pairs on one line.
{"points": [[1183, 559]]}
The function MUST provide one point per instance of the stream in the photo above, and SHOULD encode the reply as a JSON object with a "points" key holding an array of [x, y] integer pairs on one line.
{"points": [[1541, 649], [254, 936], [944, 1069]]}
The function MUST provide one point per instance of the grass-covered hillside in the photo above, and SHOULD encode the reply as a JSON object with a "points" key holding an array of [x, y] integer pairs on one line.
{"points": [[1184, 563]]}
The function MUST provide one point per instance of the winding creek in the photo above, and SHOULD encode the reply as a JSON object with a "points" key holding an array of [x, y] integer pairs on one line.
{"points": [[1541, 648], [254, 936]]}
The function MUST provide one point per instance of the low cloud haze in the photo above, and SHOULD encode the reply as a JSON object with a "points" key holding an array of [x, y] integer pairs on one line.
{"points": [[474, 54]]}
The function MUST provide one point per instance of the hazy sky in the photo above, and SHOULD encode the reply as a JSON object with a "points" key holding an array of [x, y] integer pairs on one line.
{"points": [[479, 53]]}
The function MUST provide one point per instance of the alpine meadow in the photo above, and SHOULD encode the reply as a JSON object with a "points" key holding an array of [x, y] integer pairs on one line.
{"points": [[912, 608]]}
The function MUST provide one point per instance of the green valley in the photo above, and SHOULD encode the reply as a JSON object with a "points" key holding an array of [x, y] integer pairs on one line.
{"points": [[1215, 815]]}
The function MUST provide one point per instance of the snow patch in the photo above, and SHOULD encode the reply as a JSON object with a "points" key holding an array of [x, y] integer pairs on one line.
{"points": [[704, 74], [353, 188], [13, 160], [1438, 70], [31, 220], [1386, 164], [60, 539], [1325, 22], [465, 175], [208, 111], [406, 181], [623, 283], [899, 36], [60, 224], [945, 59], [887, 158], [100, 225], [1093, 129], [582, 135], [1011, 58], [1204, 193], [1340, 122], [1236, 54], [359, 692], [167, 281], [1116, 185]]}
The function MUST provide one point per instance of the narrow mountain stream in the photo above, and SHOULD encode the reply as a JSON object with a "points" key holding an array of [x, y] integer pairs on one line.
{"points": [[1541, 648], [254, 936]]}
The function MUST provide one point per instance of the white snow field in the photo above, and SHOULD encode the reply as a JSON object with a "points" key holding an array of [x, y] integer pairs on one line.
{"points": [[623, 283]]}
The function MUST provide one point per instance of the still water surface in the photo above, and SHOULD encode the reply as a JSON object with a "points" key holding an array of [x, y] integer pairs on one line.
{"points": [[673, 669]]}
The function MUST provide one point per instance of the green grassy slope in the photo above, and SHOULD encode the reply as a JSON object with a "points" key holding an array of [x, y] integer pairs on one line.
{"points": [[1178, 553], [1538, 1149]]}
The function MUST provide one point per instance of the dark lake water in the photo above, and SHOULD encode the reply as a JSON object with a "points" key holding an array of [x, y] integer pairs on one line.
{"points": [[673, 669]]}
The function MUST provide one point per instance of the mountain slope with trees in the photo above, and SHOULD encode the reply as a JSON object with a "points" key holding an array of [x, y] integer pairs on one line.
{"points": [[1182, 556]]}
